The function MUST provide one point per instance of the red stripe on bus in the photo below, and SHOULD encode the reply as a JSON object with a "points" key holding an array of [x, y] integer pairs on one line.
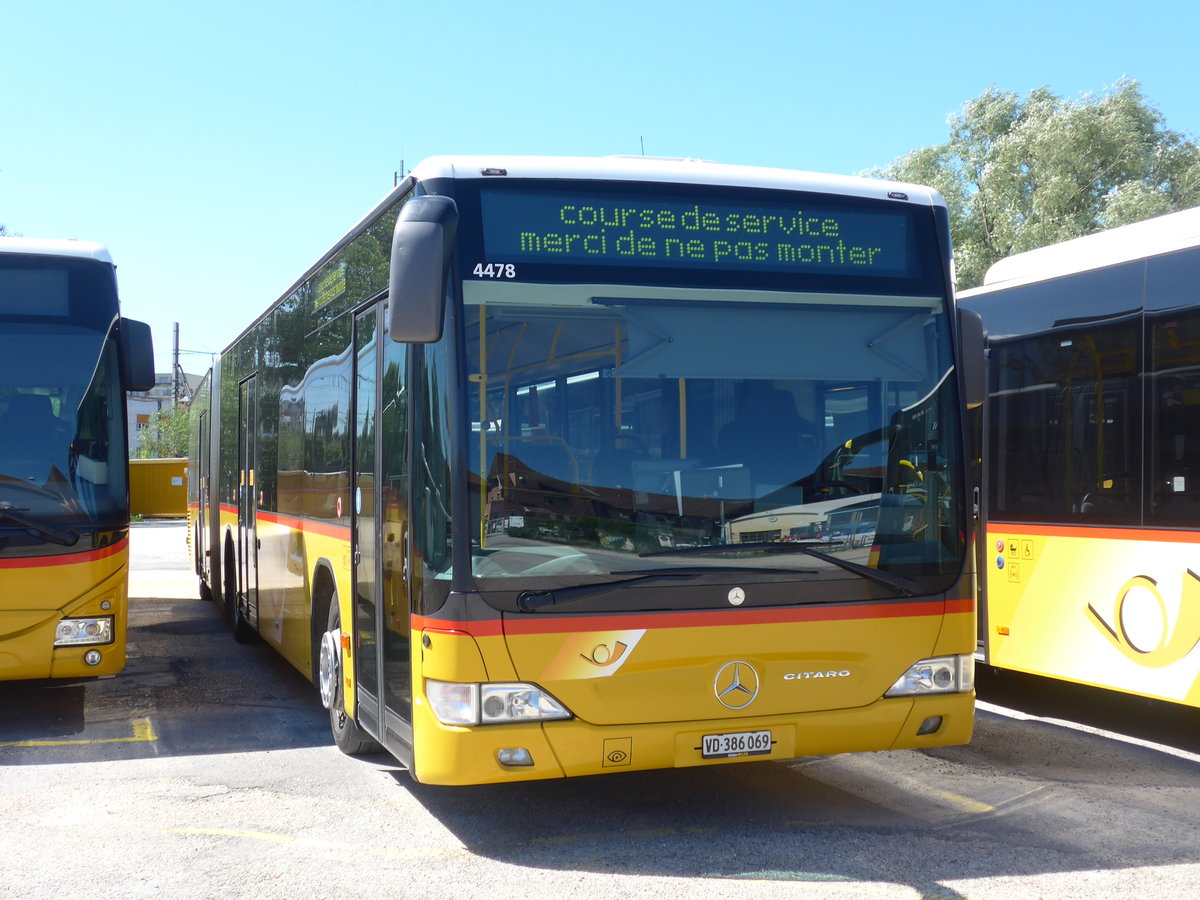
{"points": [[541, 624], [312, 526], [67, 559], [1103, 532]]}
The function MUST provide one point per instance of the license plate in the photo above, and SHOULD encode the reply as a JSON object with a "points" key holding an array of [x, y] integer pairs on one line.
{"points": [[742, 743]]}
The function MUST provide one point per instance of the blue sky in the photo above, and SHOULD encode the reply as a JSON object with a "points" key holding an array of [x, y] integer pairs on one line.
{"points": [[219, 148]]}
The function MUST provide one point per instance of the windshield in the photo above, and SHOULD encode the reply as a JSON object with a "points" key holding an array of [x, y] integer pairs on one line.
{"points": [[62, 433], [606, 432], [618, 429]]}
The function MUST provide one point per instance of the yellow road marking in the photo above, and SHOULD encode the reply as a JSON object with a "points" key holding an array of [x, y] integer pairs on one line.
{"points": [[966, 804], [143, 732]]}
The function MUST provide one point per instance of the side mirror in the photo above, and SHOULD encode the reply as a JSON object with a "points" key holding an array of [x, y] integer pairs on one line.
{"points": [[971, 347], [137, 355], [421, 247]]}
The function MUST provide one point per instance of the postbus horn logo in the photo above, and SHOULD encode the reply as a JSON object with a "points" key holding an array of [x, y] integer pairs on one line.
{"points": [[1140, 624]]}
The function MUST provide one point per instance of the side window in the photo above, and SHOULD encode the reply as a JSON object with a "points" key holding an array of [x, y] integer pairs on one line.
{"points": [[320, 405], [1065, 425], [1174, 396]]}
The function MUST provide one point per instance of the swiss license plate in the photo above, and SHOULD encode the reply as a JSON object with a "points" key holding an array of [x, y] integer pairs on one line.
{"points": [[742, 743]]}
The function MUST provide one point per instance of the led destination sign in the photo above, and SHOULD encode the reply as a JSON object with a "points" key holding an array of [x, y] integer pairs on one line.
{"points": [[634, 230]]}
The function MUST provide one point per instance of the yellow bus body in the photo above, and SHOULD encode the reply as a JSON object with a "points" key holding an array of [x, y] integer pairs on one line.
{"points": [[1108, 607], [289, 551], [41, 591], [288, 554], [665, 674]]}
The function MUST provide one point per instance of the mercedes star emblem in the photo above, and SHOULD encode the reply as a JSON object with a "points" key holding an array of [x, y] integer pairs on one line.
{"points": [[736, 684]]}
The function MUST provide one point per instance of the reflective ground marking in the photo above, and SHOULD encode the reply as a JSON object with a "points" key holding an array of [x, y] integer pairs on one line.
{"points": [[1087, 729], [966, 804], [356, 850], [143, 732], [233, 833]]}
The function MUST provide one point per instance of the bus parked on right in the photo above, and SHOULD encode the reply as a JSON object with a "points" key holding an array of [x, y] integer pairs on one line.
{"points": [[1091, 448]]}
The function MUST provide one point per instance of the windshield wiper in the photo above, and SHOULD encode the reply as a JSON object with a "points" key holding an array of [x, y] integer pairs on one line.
{"points": [[531, 601], [64, 536], [899, 583], [720, 570]]}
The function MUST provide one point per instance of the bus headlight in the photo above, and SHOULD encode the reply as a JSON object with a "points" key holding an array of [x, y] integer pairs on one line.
{"points": [[73, 632], [941, 675], [491, 704]]}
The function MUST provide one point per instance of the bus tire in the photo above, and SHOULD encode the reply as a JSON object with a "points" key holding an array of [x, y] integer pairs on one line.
{"points": [[347, 734], [242, 632], [229, 580]]}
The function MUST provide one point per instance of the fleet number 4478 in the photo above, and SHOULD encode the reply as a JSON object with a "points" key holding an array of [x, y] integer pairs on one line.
{"points": [[495, 270]]}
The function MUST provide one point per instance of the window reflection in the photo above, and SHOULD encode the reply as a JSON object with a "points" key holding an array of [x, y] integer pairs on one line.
{"points": [[582, 463]]}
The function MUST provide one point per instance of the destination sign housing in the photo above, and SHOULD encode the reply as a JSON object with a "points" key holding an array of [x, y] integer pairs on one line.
{"points": [[647, 230]]}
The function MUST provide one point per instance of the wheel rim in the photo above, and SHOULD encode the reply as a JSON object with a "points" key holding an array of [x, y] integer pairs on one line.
{"points": [[330, 666]]}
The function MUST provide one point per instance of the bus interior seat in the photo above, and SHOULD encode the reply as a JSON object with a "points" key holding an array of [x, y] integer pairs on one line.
{"points": [[32, 436], [767, 435], [549, 457]]}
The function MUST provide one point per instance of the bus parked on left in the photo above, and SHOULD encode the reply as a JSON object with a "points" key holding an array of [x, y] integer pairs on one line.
{"points": [[67, 357]]}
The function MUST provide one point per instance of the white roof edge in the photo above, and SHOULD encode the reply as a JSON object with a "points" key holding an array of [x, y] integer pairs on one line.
{"points": [[1162, 234], [55, 247], [679, 171]]}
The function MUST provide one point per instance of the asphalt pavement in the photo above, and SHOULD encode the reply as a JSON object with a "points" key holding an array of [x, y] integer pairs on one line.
{"points": [[161, 565]]}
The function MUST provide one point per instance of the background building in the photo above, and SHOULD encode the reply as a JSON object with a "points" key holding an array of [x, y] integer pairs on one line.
{"points": [[141, 405]]}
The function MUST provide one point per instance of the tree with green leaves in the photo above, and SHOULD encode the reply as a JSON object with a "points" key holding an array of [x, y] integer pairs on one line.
{"points": [[165, 435], [1022, 172]]}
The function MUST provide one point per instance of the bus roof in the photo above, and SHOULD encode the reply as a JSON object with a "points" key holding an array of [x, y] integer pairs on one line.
{"points": [[55, 247], [658, 169], [622, 168], [1163, 234]]}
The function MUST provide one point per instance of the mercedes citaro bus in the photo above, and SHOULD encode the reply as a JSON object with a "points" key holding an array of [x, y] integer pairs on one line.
{"points": [[522, 472]]}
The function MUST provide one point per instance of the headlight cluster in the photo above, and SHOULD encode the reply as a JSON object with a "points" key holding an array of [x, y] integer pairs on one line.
{"points": [[942, 675], [490, 704], [74, 632]]}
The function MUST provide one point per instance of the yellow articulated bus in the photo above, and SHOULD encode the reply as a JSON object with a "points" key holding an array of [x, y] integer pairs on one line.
{"points": [[66, 360], [1092, 451], [477, 472]]}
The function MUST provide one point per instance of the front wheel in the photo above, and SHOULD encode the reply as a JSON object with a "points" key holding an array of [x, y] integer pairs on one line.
{"points": [[348, 736]]}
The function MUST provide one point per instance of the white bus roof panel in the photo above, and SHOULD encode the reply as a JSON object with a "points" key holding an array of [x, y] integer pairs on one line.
{"points": [[55, 247], [677, 171], [1163, 234]]}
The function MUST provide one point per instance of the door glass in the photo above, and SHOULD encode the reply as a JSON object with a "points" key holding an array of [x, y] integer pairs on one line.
{"points": [[201, 489], [247, 514], [397, 654], [363, 505]]}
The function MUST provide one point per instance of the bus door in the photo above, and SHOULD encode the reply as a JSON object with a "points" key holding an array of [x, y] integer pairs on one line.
{"points": [[364, 521], [395, 552], [203, 461], [380, 528], [248, 496]]}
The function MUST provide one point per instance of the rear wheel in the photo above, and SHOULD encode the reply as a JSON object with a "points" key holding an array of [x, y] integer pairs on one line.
{"points": [[348, 736], [242, 632]]}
